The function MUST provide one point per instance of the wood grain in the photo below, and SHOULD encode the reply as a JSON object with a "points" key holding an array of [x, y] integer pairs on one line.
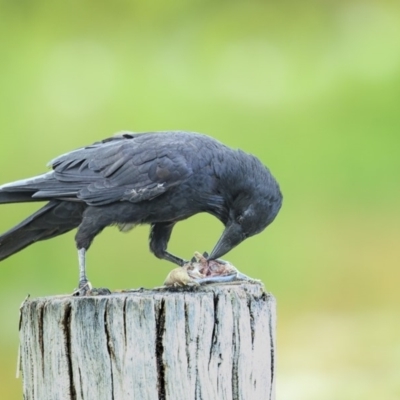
{"points": [[208, 342]]}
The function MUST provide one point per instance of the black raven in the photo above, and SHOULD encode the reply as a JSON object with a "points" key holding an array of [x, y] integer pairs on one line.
{"points": [[156, 178]]}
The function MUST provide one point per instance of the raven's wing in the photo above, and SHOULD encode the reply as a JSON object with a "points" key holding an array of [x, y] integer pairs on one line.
{"points": [[129, 167]]}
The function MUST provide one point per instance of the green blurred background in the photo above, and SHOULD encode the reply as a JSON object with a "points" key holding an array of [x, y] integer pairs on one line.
{"points": [[312, 88]]}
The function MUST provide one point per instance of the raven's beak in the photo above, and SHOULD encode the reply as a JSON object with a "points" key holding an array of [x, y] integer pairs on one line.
{"points": [[231, 237]]}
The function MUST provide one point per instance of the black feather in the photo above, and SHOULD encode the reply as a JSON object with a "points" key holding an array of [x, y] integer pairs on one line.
{"points": [[157, 178]]}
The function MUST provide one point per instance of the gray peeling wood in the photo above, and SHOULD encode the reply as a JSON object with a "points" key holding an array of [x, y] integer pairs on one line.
{"points": [[206, 343]]}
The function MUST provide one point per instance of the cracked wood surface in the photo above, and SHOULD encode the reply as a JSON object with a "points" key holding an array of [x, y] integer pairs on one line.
{"points": [[203, 343]]}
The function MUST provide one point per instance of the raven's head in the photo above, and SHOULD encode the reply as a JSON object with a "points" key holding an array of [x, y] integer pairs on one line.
{"points": [[248, 215]]}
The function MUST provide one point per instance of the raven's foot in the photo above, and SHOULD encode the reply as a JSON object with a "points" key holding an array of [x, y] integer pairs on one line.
{"points": [[200, 271], [86, 289]]}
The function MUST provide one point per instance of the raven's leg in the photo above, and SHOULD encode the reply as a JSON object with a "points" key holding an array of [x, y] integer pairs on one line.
{"points": [[159, 237], [83, 280], [92, 224]]}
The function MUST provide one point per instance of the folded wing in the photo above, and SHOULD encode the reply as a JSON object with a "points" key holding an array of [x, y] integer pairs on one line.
{"points": [[129, 167]]}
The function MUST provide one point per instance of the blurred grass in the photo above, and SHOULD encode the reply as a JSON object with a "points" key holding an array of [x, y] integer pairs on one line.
{"points": [[311, 88]]}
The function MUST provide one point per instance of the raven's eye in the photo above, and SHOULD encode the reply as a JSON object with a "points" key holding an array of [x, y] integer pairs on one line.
{"points": [[239, 219]]}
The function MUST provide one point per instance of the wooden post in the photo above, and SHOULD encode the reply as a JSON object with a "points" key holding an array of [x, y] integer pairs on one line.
{"points": [[208, 342]]}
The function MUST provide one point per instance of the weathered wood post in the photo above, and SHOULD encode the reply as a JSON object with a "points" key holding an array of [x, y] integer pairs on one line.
{"points": [[208, 342]]}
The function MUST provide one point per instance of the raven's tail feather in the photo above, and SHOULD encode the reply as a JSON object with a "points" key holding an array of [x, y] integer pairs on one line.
{"points": [[17, 197], [55, 218], [22, 191]]}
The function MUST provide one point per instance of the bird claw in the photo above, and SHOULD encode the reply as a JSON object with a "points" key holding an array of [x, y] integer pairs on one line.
{"points": [[86, 289]]}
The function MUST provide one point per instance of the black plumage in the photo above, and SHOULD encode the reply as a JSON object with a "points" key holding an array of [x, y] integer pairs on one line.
{"points": [[156, 178]]}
